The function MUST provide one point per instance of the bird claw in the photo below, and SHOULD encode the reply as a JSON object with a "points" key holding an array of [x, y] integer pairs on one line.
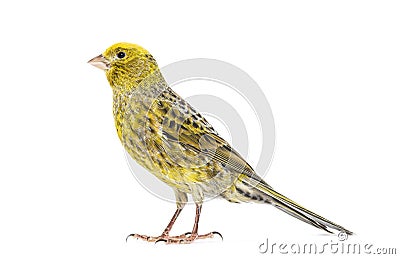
{"points": [[161, 240], [130, 235], [219, 234]]}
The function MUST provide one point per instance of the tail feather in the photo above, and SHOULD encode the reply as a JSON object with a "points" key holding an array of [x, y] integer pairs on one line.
{"points": [[300, 216], [268, 195]]}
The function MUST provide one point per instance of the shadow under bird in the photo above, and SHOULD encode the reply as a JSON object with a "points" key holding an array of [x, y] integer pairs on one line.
{"points": [[168, 137]]}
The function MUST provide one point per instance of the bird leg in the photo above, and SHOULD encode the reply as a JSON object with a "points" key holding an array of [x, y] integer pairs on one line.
{"points": [[165, 233], [186, 238]]}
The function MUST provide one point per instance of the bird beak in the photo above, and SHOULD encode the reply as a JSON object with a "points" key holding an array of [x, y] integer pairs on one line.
{"points": [[100, 62]]}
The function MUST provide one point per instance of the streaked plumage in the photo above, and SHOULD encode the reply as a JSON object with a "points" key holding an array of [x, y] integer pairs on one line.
{"points": [[170, 139]]}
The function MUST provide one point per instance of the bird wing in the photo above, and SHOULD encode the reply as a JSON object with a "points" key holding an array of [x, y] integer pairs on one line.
{"points": [[192, 133]]}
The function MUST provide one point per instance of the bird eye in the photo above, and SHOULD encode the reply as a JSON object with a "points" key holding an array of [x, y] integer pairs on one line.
{"points": [[121, 54]]}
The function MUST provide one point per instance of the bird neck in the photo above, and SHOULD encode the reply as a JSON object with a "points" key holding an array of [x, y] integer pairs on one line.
{"points": [[136, 99], [128, 76]]}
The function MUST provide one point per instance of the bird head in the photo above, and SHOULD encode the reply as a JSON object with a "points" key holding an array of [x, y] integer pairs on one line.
{"points": [[125, 65]]}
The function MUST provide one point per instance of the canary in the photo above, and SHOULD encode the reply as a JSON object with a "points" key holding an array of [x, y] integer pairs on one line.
{"points": [[170, 139]]}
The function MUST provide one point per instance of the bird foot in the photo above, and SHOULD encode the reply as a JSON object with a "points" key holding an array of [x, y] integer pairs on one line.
{"points": [[186, 238]]}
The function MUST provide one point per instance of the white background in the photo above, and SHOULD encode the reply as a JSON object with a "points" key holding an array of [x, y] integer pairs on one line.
{"points": [[330, 71]]}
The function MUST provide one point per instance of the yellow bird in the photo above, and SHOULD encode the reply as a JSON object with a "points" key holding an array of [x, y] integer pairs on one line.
{"points": [[169, 138]]}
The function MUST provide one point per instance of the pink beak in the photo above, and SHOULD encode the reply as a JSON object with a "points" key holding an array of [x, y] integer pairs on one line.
{"points": [[100, 62]]}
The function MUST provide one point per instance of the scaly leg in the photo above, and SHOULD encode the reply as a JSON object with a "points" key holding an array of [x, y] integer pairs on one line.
{"points": [[188, 238], [165, 233]]}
